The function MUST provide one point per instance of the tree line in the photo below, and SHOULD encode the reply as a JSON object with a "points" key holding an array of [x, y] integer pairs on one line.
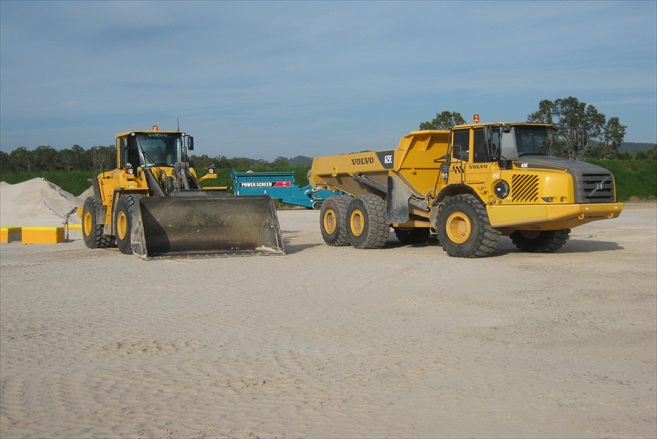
{"points": [[581, 132], [102, 158]]}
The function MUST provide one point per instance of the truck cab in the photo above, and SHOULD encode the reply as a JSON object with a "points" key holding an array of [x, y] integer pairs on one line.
{"points": [[511, 153], [492, 142]]}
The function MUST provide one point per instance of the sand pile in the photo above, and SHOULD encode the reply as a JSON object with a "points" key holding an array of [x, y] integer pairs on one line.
{"points": [[36, 202]]}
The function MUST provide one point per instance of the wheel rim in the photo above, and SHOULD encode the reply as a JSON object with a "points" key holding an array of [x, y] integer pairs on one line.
{"points": [[357, 222], [87, 223], [330, 222], [458, 227], [122, 225]]}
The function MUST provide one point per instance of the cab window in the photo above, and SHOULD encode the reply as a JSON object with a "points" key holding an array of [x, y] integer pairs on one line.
{"points": [[129, 152], [480, 149], [461, 144]]}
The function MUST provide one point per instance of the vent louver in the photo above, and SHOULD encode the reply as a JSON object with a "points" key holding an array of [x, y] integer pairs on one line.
{"points": [[524, 188]]}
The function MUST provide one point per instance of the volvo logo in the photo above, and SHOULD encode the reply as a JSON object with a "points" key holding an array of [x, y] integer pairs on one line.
{"points": [[599, 186], [362, 161]]}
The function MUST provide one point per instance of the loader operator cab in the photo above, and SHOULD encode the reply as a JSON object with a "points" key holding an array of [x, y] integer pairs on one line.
{"points": [[153, 149], [159, 149]]}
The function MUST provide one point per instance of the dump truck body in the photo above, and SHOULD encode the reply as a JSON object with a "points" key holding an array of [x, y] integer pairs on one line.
{"points": [[152, 205], [467, 186], [280, 186]]}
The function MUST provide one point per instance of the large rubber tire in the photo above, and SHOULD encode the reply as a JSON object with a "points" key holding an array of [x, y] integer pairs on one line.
{"points": [[333, 220], [539, 241], [366, 218], [92, 232], [418, 235], [463, 228], [124, 217]]}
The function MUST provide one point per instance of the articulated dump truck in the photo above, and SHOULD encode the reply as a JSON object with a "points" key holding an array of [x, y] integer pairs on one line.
{"points": [[152, 205], [466, 187]]}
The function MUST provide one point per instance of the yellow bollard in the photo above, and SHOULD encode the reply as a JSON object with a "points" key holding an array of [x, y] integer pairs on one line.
{"points": [[43, 235], [10, 234]]}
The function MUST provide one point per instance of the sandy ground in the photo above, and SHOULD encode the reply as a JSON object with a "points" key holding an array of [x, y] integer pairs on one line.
{"points": [[334, 342]]}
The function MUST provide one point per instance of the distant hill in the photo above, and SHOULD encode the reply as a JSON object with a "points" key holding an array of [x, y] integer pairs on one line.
{"points": [[301, 160], [634, 146]]}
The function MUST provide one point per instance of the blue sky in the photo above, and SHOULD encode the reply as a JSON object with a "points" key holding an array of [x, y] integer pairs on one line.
{"points": [[268, 79]]}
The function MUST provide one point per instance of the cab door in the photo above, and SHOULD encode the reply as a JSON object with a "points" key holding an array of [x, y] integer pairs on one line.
{"points": [[460, 148], [128, 152], [478, 169]]}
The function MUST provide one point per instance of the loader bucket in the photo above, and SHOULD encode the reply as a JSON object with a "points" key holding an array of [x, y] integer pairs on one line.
{"points": [[206, 225]]}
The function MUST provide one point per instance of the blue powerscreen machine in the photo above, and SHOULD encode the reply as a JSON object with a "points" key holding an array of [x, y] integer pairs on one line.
{"points": [[279, 186]]}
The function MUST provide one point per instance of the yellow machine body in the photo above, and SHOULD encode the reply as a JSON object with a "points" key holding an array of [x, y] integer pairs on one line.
{"points": [[505, 167], [153, 205]]}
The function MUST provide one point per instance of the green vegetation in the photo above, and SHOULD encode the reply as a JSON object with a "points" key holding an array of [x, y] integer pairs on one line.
{"points": [[443, 121]]}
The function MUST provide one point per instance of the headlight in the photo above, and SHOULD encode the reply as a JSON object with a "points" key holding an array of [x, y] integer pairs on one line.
{"points": [[501, 189], [444, 170]]}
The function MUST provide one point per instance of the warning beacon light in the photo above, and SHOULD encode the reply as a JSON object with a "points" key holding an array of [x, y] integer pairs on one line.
{"points": [[156, 128], [475, 118]]}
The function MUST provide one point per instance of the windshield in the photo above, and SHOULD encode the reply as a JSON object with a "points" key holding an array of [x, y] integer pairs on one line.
{"points": [[531, 140], [160, 149]]}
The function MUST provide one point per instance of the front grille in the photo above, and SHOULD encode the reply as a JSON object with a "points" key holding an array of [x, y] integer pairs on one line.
{"points": [[595, 187], [524, 188]]}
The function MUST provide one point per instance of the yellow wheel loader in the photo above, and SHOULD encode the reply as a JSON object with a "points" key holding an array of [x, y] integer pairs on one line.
{"points": [[466, 187], [152, 205]]}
